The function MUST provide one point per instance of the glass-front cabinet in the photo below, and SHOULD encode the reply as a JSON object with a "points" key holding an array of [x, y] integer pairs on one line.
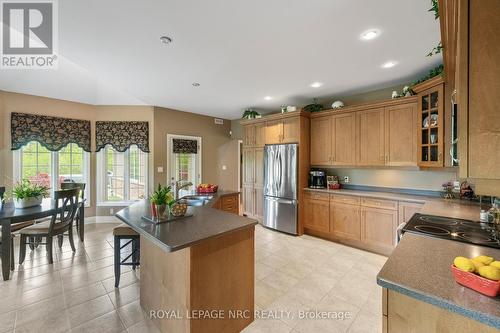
{"points": [[431, 127]]}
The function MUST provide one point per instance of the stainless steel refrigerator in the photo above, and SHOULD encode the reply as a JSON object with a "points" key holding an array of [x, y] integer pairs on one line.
{"points": [[280, 187]]}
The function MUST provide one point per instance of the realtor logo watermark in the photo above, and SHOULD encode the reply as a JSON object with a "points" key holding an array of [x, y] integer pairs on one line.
{"points": [[29, 35]]}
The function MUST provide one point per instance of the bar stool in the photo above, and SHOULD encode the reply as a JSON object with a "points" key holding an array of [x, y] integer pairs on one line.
{"points": [[124, 232]]}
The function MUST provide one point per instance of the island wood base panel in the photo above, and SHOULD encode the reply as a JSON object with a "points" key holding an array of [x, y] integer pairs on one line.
{"points": [[404, 314], [217, 274]]}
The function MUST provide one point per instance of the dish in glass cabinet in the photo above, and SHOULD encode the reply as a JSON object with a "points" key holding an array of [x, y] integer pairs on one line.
{"points": [[433, 121]]}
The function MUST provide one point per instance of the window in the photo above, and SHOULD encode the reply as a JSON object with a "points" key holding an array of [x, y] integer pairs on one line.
{"points": [[125, 174], [42, 166], [184, 166]]}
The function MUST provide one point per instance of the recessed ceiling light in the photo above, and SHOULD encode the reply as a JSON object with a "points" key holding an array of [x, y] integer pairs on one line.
{"points": [[196, 84], [389, 64], [268, 98], [316, 84], [370, 34], [165, 40]]}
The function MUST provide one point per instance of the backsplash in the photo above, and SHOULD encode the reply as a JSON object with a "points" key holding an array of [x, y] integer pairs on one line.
{"points": [[405, 179]]}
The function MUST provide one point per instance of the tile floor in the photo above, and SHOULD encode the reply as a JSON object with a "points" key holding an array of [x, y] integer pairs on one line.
{"points": [[293, 274]]}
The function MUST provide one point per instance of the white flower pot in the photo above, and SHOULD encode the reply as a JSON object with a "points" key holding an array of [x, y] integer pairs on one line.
{"points": [[27, 202]]}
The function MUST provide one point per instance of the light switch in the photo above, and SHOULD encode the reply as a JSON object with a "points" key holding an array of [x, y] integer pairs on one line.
{"points": [[224, 167], [160, 169]]}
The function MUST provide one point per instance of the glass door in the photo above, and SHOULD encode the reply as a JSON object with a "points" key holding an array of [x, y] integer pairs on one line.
{"points": [[431, 127]]}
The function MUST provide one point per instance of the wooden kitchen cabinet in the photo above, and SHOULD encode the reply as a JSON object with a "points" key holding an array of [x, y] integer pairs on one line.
{"points": [[401, 135], [258, 167], [431, 123], [248, 135], [254, 135], [321, 141], [248, 166], [343, 136], [228, 203], [283, 131], [258, 203], [378, 228], [370, 137], [407, 210], [318, 214], [345, 221], [248, 200]]}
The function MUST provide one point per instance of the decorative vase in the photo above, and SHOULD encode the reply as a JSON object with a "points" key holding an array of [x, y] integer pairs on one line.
{"points": [[160, 212], [179, 208], [27, 202]]}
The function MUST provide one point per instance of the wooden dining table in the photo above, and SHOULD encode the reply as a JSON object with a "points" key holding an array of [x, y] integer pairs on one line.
{"points": [[10, 215]]}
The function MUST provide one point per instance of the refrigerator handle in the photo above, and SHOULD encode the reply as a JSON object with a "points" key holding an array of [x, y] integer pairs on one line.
{"points": [[281, 171]]}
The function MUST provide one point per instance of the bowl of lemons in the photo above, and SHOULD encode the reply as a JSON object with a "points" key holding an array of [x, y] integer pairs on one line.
{"points": [[481, 273]]}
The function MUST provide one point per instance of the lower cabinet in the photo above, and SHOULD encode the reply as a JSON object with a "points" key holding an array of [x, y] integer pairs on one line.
{"points": [[378, 228], [345, 221], [407, 210], [317, 214], [253, 202], [259, 203]]}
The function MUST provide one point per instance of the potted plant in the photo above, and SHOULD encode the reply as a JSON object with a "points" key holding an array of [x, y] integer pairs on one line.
{"points": [[25, 194], [161, 201]]}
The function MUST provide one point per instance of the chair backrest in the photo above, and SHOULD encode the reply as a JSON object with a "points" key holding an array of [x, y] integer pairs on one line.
{"points": [[71, 185], [2, 191], [67, 200]]}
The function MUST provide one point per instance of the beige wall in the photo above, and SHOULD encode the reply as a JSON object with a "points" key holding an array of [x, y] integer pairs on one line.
{"points": [[217, 149]]}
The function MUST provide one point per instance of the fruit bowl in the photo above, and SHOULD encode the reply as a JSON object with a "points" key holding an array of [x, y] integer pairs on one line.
{"points": [[207, 188], [473, 281]]}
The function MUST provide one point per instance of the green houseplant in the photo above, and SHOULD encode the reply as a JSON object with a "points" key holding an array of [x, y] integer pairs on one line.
{"points": [[161, 200], [25, 194]]}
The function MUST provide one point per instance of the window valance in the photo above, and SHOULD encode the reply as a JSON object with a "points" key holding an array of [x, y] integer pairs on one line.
{"points": [[185, 146], [53, 133], [122, 134]]}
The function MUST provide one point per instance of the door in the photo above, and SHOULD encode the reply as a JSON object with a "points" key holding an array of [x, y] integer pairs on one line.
{"points": [[280, 214], [248, 166], [260, 134], [370, 137], [407, 210], [184, 165], [259, 203], [345, 221], [248, 201], [431, 127], [274, 131], [258, 159], [344, 139], [282, 176], [317, 215], [321, 141], [378, 228], [401, 135], [291, 130], [248, 135]]}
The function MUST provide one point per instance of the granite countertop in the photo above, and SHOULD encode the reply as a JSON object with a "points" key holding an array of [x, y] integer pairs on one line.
{"points": [[462, 209], [206, 222], [419, 267]]}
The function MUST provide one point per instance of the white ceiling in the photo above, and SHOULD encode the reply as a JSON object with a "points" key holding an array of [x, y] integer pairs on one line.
{"points": [[238, 50]]}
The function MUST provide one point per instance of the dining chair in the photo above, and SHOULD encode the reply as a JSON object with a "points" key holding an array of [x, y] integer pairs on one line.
{"points": [[78, 217], [66, 202]]}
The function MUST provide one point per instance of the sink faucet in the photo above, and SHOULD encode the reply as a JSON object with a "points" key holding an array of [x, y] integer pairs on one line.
{"points": [[179, 187]]}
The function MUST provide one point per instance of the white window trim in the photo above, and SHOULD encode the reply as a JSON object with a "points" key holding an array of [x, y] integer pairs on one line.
{"points": [[54, 170], [102, 185], [169, 154]]}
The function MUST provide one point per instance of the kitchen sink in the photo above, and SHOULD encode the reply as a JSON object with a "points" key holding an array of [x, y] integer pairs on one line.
{"points": [[197, 200]]}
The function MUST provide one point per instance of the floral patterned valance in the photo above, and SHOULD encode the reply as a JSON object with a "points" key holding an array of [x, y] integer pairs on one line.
{"points": [[122, 134], [53, 133], [185, 146]]}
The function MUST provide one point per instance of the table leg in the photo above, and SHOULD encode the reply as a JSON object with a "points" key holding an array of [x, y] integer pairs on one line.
{"points": [[81, 226], [6, 239]]}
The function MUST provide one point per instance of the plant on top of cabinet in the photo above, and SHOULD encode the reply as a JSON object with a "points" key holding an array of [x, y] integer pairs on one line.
{"points": [[314, 107], [250, 114]]}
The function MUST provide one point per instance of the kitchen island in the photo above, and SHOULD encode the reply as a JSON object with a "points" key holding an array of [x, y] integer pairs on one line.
{"points": [[421, 295], [197, 273]]}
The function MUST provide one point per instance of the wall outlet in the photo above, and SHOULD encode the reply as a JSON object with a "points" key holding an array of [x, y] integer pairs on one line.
{"points": [[111, 211], [346, 179]]}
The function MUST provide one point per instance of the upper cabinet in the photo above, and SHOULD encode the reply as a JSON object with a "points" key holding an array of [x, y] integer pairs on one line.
{"points": [[401, 135], [431, 123], [282, 131], [370, 145], [377, 134], [254, 135], [469, 31]]}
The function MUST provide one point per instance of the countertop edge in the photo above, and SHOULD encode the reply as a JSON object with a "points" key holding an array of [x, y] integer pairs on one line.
{"points": [[386, 195], [442, 303]]}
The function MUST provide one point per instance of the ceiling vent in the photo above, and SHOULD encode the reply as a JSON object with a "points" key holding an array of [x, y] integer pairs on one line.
{"points": [[219, 121]]}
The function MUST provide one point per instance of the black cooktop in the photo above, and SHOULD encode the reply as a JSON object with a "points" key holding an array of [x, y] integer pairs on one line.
{"points": [[466, 231]]}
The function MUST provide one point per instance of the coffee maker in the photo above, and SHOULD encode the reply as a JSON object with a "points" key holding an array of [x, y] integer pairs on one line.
{"points": [[317, 179]]}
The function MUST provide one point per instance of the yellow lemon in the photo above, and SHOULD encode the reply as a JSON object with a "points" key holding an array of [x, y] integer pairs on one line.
{"points": [[495, 264], [490, 272], [484, 259], [477, 264], [465, 264]]}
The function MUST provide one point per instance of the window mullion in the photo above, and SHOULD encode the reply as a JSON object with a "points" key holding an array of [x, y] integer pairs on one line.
{"points": [[126, 178], [54, 156]]}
